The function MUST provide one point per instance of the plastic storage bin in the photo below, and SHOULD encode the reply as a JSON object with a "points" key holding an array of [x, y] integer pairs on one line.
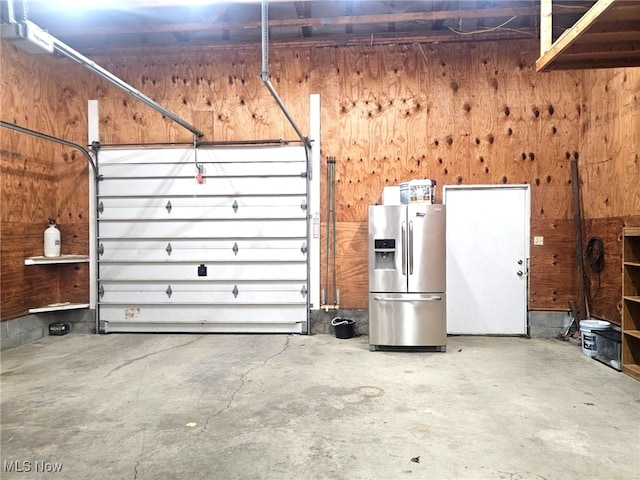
{"points": [[609, 343]]}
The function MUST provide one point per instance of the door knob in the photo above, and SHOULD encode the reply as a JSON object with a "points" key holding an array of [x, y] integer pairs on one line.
{"points": [[520, 273]]}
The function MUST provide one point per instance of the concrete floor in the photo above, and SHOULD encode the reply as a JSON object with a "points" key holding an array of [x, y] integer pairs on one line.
{"points": [[313, 407]]}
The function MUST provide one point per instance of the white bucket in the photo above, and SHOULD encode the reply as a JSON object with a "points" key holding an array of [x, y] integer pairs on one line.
{"points": [[589, 346]]}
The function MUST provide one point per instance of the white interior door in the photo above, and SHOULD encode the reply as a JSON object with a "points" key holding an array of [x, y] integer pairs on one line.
{"points": [[487, 259]]}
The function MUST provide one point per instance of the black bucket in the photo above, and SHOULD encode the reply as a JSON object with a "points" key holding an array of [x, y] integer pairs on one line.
{"points": [[343, 327]]}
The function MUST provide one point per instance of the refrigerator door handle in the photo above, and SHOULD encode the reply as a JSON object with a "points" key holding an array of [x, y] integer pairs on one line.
{"points": [[434, 298], [403, 246], [411, 248]]}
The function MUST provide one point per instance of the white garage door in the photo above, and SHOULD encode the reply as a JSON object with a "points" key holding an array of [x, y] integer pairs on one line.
{"points": [[226, 252]]}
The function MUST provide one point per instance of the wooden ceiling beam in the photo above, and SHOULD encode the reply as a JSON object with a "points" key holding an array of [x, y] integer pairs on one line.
{"points": [[317, 42], [604, 26], [308, 22], [444, 6], [624, 50], [348, 8], [303, 10], [592, 63], [611, 37], [595, 20]]}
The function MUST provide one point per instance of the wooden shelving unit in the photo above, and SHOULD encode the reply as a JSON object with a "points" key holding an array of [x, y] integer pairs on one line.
{"points": [[62, 259], [631, 302]]}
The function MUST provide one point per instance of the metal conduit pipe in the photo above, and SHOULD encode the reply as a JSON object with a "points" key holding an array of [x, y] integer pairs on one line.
{"points": [[265, 72], [240, 143], [44, 136], [305, 140], [10, 12], [212, 143]]}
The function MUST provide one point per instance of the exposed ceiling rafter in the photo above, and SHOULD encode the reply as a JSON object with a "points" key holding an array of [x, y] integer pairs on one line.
{"points": [[606, 36], [501, 13]]}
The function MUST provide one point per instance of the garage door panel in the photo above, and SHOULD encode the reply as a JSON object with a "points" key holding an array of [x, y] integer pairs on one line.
{"points": [[189, 294], [284, 153], [181, 208], [153, 156], [198, 313], [190, 213], [244, 154], [203, 229], [215, 271], [134, 187], [211, 170], [202, 250], [185, 326], [273, 201], [202, 287]]}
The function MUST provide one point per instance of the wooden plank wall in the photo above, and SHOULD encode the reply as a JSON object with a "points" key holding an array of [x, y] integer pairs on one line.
{"points": [[39, 180], [459, 114], [456, 113], [610, 172]]}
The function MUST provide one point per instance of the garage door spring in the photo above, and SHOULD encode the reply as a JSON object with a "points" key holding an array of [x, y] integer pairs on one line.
{"points": [[595, 254]]}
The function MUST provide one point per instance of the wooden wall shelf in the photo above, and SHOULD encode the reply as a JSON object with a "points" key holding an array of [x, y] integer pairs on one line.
{"points": [[61, 260], [57, 307], [56, 260]]}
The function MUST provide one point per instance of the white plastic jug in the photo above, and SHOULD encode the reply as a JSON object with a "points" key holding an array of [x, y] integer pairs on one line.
{"points": [[52, 240]]}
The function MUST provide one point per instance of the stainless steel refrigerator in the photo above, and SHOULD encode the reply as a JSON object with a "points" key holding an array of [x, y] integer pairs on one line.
{"points": [[407, 283]]}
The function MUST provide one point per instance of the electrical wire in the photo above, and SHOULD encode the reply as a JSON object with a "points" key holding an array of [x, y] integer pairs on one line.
{"points": [[576, 7], [523, 32], [484, 30]]}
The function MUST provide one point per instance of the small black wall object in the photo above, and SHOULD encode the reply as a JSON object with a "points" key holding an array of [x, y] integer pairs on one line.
{"points": [[202, 270]]}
